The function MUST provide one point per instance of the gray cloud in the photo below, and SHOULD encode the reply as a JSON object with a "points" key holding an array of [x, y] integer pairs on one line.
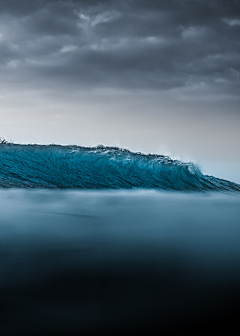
{"points": [[129, 44]]}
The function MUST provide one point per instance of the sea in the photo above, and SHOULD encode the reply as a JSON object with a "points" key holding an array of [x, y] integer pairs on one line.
{"points": [[104, 241]]}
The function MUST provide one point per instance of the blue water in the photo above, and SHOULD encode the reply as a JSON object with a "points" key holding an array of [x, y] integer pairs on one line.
{"points": [[74, 167], [119, 262], [159, 254]]}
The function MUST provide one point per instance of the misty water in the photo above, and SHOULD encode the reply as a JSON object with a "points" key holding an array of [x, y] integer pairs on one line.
{"points": [[107, 262]]}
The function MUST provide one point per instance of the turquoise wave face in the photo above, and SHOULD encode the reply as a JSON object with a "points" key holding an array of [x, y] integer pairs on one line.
{"points": [[74, 167]]}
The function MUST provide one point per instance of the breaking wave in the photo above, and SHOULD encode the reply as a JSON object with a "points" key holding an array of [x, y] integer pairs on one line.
{"points": [[74, 167]]}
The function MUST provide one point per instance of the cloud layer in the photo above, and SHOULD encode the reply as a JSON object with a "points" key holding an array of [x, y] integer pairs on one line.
{"points": [[128, 44]]}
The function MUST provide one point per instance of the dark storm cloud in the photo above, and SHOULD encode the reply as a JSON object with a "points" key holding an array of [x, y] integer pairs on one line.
{"points": [[148, 44]]}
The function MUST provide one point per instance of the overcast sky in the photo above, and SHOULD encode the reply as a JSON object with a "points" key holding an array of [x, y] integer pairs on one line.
{"points": [[160, 76]]}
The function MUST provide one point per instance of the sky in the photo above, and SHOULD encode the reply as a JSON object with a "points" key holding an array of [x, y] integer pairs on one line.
{"points": [[152, 76]]}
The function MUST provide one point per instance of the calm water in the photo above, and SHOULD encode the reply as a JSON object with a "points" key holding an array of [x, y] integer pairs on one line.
{"points": [[111, 262]]}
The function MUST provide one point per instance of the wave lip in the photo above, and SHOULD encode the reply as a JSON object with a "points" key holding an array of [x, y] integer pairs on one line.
{"points": [[75, 167]]}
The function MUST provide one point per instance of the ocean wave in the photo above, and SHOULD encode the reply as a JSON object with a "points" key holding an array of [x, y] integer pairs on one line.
{"points": [[100, 167]]}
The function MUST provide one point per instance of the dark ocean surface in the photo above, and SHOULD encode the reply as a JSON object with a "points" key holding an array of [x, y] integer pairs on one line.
{"points": [[138, 262]]}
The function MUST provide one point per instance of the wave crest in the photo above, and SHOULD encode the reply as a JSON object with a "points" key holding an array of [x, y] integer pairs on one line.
{"points": [[100, 167]]}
